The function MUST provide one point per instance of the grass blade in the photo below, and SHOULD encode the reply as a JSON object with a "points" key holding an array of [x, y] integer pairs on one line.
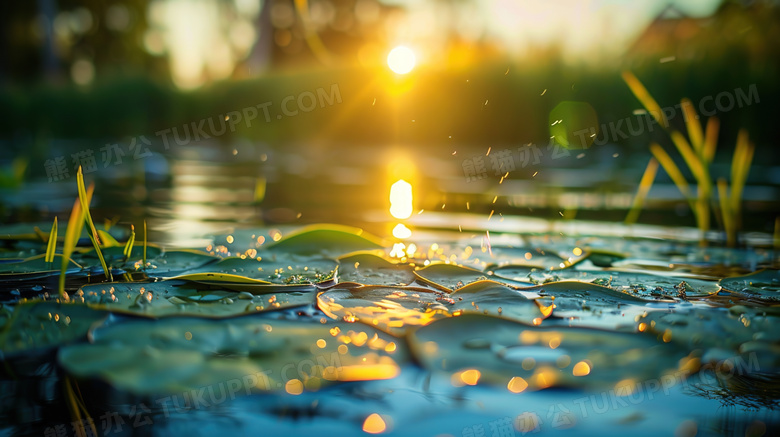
{"points": [[130, 242], [673, 171], [51, 247], [644, 97], [144, 258], [693, 126], [691, 160], [726, 212], [93, 235], [711, 139], [644, 187], [72, 235]]}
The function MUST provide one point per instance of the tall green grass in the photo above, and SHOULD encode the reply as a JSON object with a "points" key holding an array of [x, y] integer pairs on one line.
{"points": [[697, 151]]}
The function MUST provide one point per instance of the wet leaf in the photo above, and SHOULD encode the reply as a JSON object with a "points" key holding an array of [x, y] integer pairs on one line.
{"points": [[763, 284], [37, 325], [173, 356], [326, 240], [369, 269], [494, 351], [182, 298]]}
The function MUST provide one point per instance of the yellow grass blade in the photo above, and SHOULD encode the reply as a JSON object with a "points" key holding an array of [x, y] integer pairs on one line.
{"points": [[130, 242], [93, 235], [144, 243], [740, 167], [672, 170], [644, 97], [644, 187], [51, 247], [107, 239], [693, 126], [691, 160], [726, 212], [711, 139], [72, 234]]}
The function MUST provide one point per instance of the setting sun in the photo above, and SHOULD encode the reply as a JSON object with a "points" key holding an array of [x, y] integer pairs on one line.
{"points": [[401, 60]]}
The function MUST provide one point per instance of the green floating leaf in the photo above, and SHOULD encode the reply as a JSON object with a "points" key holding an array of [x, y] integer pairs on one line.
{"points": [[646, 286], [327, 240], [369, 269], [180, 298], [33, 267], [391, 308], [177, 261], [240, 272], [490, 297], [396, 309], [584, 304], [38, 325], [245, 355], [483, 349], [763, 284], [448, 277]]}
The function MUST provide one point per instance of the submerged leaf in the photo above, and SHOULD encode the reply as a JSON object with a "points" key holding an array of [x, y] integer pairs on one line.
{"points": [[172, 356]]}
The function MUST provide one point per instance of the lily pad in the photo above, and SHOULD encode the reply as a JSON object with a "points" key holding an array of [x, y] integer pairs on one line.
{"points": [[391, 308], [448, 277], [369, 269], [640, 284], [488, 297], [484, 349], [763, 284], [182, 298], [270, 270], [245, 355], [34, 267], [326, 240], [39, 325], [178, 261]]}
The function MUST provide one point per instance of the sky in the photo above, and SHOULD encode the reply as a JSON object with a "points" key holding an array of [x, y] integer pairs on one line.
{"points": [[201, 40]]}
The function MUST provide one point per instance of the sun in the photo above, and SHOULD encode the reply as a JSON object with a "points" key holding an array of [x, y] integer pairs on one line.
{"points": [[401, 60]]}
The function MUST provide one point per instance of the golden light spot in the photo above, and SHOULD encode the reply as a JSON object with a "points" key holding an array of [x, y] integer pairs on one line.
{"points": [[294, 387], [528, 337], [528, 255], [625, 387], [545, 377], [334, 331], [667, 336], [401, 231], [374, 424], [577, 251], [537, 321], [321, 344], [517, 384], [470, 376], [390, 347], [581, 369], [642, 327], [188, 335], [555, 342], [343, 349], [401, 200], [230, 239]]}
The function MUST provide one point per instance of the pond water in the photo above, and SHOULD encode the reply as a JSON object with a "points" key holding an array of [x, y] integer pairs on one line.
{"points": [[328, 329]]}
